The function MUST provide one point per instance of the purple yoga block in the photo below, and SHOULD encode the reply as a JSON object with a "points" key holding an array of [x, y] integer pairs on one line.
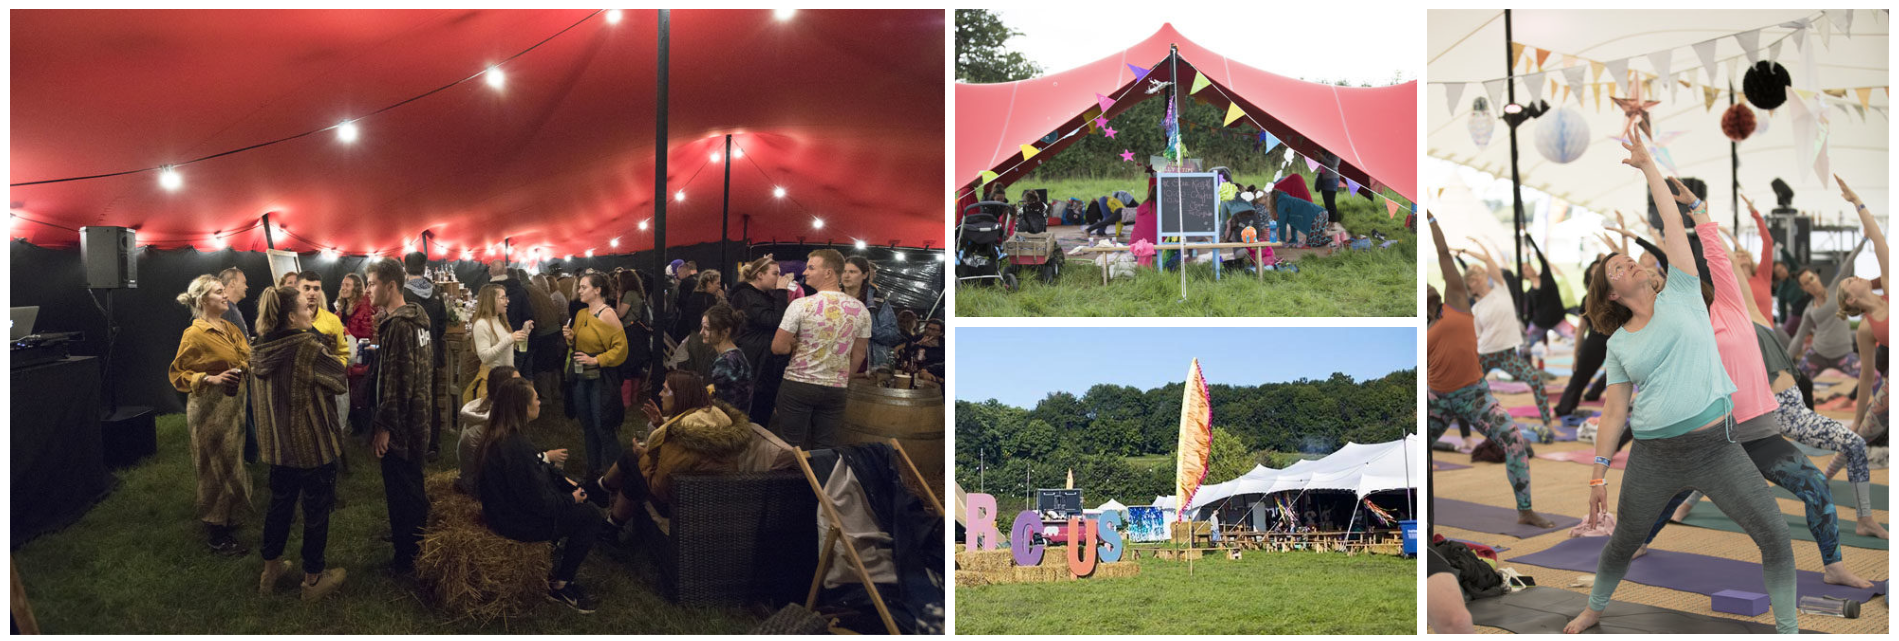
{"points": [[1740, 602]]}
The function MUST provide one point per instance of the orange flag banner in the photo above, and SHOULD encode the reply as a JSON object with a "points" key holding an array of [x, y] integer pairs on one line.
{"points": [[1196, 439]]}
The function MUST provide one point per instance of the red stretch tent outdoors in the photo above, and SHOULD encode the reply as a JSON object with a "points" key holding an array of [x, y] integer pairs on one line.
{"points": [[843, 109], [1373, 130]]}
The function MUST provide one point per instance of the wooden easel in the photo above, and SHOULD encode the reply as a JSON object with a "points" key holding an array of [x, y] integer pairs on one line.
{"points": [[836, 532]]}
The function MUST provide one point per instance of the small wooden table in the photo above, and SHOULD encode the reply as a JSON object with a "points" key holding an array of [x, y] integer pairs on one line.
{"points": [[1183, 247]]}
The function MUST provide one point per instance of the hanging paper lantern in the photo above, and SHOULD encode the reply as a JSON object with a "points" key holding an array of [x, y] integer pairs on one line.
{"points": [[1737, 122], [1481, 124], [1562, 136], [1766, 84], [1761, 122]]}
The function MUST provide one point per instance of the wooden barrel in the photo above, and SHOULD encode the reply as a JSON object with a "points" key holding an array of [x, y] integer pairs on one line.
{"points": [[914, 417]]}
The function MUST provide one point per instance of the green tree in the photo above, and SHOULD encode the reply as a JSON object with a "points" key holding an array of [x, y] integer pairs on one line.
{"points": [[1229, 457], [982, 53]]}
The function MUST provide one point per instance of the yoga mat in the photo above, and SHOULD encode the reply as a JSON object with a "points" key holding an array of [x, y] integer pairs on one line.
{"points": [[1696, 573], [1810, 450], [1587, 457], [1508, 387], [1492, 519], [1524, 411], [1545, 610], [1498, 548], [1843, 493], [1564, 433], [1708, 515], [1445, 466]]}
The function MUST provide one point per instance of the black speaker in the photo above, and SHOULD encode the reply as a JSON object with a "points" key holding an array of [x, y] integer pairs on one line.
{"points": [[109, 254], [1793, 232]]}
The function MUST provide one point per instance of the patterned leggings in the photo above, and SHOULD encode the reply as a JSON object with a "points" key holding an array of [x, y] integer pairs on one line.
{"points": [[1474, 406], [1316, 237], [1520, 368], [1785, 466], [1875, 425], [1813, 363], [1803, 425]]}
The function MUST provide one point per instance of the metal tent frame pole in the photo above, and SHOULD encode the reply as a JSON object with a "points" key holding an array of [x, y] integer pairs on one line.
{"points": [[725, 215], [1516, 179], [659, 161]]}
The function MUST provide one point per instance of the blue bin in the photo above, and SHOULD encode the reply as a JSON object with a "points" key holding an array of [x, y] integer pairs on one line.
{"points": [[1410, 537]]}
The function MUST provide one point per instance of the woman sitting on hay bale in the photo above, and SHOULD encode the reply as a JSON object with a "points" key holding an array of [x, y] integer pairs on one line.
{"points": [[697, 435], [524, 499]]}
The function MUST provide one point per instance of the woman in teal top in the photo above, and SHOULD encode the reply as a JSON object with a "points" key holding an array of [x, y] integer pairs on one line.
{"points": [[1664, 343]]}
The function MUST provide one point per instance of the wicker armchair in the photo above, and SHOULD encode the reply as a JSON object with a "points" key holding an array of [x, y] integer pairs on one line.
{"points": [[737, 538]]}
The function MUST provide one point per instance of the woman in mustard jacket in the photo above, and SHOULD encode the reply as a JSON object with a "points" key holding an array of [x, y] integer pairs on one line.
{"points": [[212, 356], [599, 345]]}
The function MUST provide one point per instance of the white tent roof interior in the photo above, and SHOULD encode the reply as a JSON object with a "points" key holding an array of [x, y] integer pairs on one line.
{"points": [[1357, 468], [1465, 45]]}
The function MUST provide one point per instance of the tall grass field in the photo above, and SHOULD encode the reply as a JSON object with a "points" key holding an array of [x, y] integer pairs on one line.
{"points": [[1375, 282]]}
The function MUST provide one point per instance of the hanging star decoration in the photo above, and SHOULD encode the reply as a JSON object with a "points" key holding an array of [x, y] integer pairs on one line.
{"points": [[1111, 131], [1127, 155], [1101, 122], [1636, 108]]}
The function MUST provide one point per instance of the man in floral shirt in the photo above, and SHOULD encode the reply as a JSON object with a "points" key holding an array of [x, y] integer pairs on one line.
{"points": [[827, 335]]}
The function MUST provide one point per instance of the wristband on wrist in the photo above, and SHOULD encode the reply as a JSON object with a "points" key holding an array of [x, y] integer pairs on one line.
{"points": [[1603, 461], [1862, 206], [1598, 482], [1696, 206]]}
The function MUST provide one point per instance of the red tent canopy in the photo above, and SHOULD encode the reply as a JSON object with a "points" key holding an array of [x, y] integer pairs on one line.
{"points": [[1373, 130], [843, 109]]}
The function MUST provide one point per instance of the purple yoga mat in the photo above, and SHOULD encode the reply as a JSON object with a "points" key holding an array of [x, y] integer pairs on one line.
{"points": [[1492, 519], [1525, 411], [1509, 387], [1696, 573], [1446, 466]]}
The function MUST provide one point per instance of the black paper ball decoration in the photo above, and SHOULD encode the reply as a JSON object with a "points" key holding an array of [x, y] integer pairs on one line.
{"points": [[1765, 84]]}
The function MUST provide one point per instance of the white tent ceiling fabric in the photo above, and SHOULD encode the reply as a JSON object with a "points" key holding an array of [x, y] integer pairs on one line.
{"points": [[1357, 468], [1466, 45]]}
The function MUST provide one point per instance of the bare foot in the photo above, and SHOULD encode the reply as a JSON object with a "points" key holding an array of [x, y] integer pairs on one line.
{"points": [[1681, 512], [1528, 517], [1583, 621], [1639, 552], [1837, 574], [1869, 526]]}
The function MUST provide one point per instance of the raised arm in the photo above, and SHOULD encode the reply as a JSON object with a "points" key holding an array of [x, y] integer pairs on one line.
{"points": [[1674, 236], [1456, 295], [1766, 265], [1548, 279], [1491, 268], [1869, 226], [1846, 268]]}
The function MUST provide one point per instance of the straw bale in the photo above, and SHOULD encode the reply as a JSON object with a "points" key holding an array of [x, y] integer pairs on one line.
{"points": [[469, 571]]}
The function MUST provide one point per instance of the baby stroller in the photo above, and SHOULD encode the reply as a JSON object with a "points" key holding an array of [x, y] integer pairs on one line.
{"points": [[979, 254]]}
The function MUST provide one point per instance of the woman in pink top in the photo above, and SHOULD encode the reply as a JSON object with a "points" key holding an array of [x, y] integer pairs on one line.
{"points": [[1857, 299]]}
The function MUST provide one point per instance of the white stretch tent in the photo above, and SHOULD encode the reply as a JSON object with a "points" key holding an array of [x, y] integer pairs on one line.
{"points": [[1840, 49], [1111, 505], [1357, 468]]}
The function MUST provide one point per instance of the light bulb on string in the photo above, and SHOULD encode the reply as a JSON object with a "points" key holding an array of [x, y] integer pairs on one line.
{"points": [[346, 132], [642, 225], [899, 257], [784, 14], [817, 223], [590, 253], [496, 77], [329, 254], [738, 153], [169, 179], [680, 196], [860, 244], [219, 242], [715, 156], [468, 254], [569, 258], [408, 248], [613, 16], [613, 243], [778, 192]]}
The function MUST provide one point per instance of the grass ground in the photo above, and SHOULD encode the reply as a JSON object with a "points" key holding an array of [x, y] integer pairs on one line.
{"points": [[1285, 593], [1378, 282], [135, 565]]}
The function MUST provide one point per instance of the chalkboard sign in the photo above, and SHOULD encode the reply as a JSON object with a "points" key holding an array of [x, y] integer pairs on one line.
{"points": [[1064, 502], [1187, 204]]}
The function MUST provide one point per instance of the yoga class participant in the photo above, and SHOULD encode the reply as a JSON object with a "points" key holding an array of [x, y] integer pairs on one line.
{"points": [[1458, 390], [1857, 299], [1684, 419], [1500, 333], [1832, 336]]}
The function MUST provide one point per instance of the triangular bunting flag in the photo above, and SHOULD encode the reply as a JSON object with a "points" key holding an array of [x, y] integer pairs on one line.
{"points": [[1800, 38], [1029, 151], [1773, 51], [1751, 44], [1534, 83], [1139, 73], [1826, 34], [1268, 141], [1661, 61], [1313, 165], [1709, 94], [1541, 55], [1351, 186], [1619, 71], [1705, 51], [1452, 92], [1596, 71], [1566, 95], [1233, 112], [1865, 96], [1574, 75], [1391, 208], [988, 177], [1842, 18], [1803, 93], [1516, 53], [1200, 81], [1495, 89], [1598, 88], [1104, 101]]}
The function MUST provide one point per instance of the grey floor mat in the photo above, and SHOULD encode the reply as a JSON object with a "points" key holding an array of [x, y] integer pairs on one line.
{"points": [[1543, 610]]}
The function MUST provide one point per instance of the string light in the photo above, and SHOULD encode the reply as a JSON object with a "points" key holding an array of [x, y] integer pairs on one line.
{"points": [[900, 257], [408, 248], [590, 253], [613, 243], [642, 225], [496, 78], [468, 254], [738, 153], [680, 196], [860, 244], [778, 192], [568, 258], [219, 242], [715, 156], [613, 16], [783, 14], [169, 179], [329, 254], [346, 132], [817, 223]]}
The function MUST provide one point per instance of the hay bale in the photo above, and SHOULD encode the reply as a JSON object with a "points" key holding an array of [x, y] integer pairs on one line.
{"points": [[985, 561], [1119, 570], [966, 578], [472, 572], [1044, 573]]}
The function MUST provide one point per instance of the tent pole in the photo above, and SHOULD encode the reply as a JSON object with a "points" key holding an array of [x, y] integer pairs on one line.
{"points": [[1734, 177], [269, 242], [659, 161], [1516, 179], [725, 210], [1173, 103]]}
